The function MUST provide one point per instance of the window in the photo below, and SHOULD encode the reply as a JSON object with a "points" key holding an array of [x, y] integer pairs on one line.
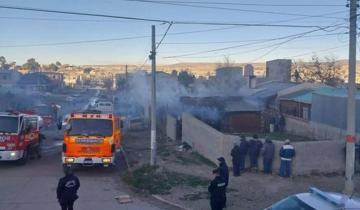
{"points": [[292, 203]]}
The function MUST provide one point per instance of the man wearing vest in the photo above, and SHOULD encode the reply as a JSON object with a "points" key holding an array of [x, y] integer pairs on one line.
{"points": [[217, 190], [287, 153]]}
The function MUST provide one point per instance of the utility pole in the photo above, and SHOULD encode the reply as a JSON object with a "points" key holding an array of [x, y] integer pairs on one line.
{"points": [[351, 103], [153, 98]]}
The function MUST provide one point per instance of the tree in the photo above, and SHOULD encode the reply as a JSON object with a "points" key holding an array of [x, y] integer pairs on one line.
{"points": [[108, 83], [53, 67], [87, 70], [185, 78], [31, 65], [227, 62], [58, 63], [326, 70], [2, 61]]}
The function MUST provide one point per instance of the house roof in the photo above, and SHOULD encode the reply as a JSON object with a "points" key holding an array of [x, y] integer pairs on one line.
{"points": [[305, 96], [244, 105], [270, 89]]}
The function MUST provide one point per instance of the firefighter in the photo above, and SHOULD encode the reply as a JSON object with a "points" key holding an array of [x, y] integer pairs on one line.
{"points": [[243, 149], [268, 155], [287, 153], [235, 154], [67, 190], [217, 190]]}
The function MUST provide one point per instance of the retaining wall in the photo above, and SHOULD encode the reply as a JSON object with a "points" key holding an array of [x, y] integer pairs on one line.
{"points": [[312, 157]]}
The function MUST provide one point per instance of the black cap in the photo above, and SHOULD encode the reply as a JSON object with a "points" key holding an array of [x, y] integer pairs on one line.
{"points": [[221, 159]]}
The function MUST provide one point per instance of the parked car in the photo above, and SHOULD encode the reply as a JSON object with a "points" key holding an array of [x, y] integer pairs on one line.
{"points": [[316, 199]]}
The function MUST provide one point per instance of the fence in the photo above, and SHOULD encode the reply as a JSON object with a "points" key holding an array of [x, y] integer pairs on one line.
{"points": [[312, 157]]}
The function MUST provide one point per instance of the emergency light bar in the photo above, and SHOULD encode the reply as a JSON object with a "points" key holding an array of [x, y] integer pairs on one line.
{"points": [[91, 116]]}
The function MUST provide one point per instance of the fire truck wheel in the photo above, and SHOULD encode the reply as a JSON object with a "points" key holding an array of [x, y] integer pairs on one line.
{"points": [[24, 158]]}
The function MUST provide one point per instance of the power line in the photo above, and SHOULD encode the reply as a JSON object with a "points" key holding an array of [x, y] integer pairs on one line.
{"points": [[232, 9], [163, 37], [255, 4], [240, 41], [57, 19], [112, 39], [82, 14], [237, 46], [158, 20], [323, 50]]}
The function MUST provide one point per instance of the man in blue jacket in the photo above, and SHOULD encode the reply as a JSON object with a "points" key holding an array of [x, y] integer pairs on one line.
{"points": [[67, 190], [217, 190], [287, 153]]}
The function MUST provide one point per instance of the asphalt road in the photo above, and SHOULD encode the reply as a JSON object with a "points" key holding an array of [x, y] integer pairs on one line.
{"points": [[33, 186]]}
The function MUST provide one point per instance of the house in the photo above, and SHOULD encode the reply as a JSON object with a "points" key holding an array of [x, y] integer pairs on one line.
{"points": [[8, 78]]}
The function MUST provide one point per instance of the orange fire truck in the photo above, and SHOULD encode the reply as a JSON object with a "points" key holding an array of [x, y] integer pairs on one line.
{"points": [[19, 135], [91, 138]]}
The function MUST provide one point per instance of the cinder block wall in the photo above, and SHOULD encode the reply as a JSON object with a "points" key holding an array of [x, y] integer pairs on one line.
{"points": [[312, 157]]}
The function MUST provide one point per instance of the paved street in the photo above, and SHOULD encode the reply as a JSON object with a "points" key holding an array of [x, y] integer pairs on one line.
{"points": [[33, 186]]}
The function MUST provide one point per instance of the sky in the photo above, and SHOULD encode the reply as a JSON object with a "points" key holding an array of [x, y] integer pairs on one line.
{"points": [[21, 30]]}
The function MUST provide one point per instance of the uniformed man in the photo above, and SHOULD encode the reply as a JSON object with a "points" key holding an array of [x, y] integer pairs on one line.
{"points": [[287, 153], [217, 190], [224, 170], [67, 190]]}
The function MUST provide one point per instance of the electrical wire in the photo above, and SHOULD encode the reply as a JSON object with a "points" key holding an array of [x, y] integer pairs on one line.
{"points": [[232, 9], [242, 45], [58, 19], [163, 37], [157, 20], [255, 4], [239, 41]]}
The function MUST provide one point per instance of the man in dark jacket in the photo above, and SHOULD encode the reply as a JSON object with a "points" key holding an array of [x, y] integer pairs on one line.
{"points": [[67, 190], [268, 155], [287, 153], [217, 190], [224, 170], [243, 149], [235, 154], [255, 146]]}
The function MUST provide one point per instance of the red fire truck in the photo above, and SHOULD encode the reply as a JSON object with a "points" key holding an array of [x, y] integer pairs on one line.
{"points": [[19, 135]]}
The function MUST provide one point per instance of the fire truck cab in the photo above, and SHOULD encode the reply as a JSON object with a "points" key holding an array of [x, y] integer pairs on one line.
{"points": [[19, 134], [91, 139]]}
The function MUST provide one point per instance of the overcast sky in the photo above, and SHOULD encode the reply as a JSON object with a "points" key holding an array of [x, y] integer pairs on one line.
{"points": [[33, 28]]}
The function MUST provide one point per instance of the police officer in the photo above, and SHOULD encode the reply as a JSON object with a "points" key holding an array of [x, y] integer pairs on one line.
{"points": [[224, 170], [67, 190], [287, 153], [235, 154], [217, 190]]}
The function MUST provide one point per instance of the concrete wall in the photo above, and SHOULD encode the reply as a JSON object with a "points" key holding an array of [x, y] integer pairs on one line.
{"points": [[278, 70], [314, 130], [171, 127], [312, 157]]}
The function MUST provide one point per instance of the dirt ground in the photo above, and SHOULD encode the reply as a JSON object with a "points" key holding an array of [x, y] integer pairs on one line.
{"points": [[247, 192]]}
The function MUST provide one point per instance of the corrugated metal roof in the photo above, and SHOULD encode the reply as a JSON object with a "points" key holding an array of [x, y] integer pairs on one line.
{"points": [[305, 96], [270, 89]]}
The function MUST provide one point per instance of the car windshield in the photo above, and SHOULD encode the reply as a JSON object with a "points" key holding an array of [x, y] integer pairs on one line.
{"points": [[292, 203], [91, 127], [9, 124]]}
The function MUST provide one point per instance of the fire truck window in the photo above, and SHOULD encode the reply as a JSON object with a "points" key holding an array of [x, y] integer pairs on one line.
{"points": [[91, 127], [9, 124]]}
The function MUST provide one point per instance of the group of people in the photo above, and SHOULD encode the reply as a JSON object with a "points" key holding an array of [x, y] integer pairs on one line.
{"points": [[253, 148]]}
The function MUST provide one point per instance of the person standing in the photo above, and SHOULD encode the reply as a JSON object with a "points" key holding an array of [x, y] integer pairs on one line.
{"points": [[224, 170], [287, 153], [243, 149], [268, 155], [255, 146], [217, 190], [67, 190], [235, 154], [282, 123]]}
